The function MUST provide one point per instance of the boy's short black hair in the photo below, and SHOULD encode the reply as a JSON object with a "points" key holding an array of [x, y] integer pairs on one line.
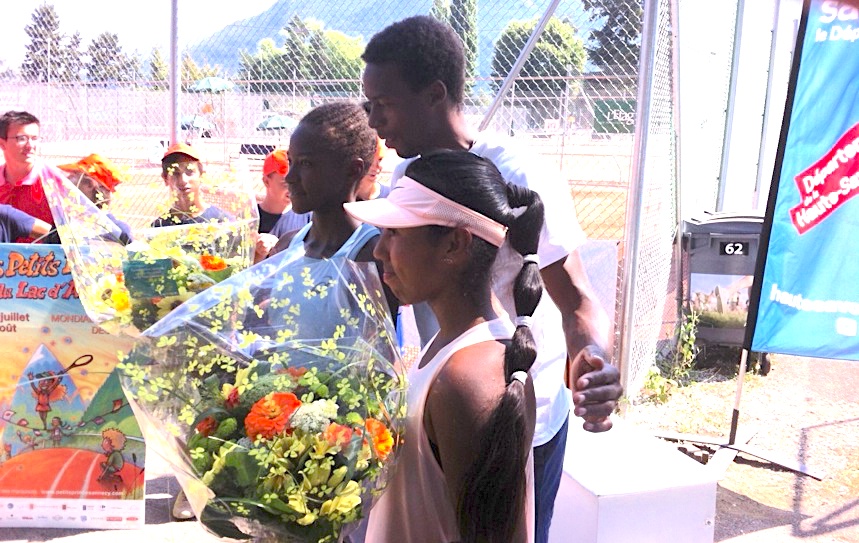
{"points": [[424, 50], [15, 117]]}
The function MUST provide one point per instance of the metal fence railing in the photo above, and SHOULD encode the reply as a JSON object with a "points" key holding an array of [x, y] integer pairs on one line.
{"points": [[574, 101]]}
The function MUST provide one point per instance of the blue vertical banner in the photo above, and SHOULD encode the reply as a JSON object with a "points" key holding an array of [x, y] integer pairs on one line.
{"points": [[805, 298]]}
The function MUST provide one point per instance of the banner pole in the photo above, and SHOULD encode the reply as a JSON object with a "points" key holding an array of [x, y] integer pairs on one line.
{"points": [[735, 416]]}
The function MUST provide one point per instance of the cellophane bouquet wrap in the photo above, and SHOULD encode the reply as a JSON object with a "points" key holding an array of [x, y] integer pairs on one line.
{"points": [[278, 398], [129, 277]]}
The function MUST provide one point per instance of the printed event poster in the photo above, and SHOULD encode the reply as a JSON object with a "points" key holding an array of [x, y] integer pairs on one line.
{"points": [[72, 453], [806, 286]]}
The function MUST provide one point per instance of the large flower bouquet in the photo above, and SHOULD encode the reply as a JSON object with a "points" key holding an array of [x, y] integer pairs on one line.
{"points": [[127, 287], [277, 397]]}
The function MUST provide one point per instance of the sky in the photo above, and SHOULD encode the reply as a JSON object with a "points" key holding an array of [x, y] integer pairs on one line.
{"points": [[139, 25]]}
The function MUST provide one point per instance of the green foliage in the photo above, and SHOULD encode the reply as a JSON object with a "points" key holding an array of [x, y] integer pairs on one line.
{"points": [[673, 369], [657, 389], [311, 59], [614, 47], [713, 319], [193, 72], [72, 65], [677, 362], [463, 20], [158, 69], [558, 53], [440, 10], [686, 350], [43, 57], [108, 63]]}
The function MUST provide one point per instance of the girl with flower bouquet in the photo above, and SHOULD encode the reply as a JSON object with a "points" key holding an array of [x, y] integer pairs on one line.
{"points": [[465, 470], [280, 386], [329, 153], [277, 397]]}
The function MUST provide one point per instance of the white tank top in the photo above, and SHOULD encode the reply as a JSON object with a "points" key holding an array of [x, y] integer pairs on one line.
{"points": [[416, 507]]}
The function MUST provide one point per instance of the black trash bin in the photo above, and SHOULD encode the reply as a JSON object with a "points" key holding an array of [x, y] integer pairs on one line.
{"points": [[719, 251]]}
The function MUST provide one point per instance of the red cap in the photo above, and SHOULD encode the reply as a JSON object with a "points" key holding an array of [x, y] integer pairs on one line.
{"points": [[276, 161], [181, 149]]}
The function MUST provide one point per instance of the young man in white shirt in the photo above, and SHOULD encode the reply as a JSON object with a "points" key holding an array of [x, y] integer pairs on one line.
{"points": [[414, 81]]}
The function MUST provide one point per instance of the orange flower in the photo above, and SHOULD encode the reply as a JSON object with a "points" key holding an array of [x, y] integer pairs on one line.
{"points": [[207, 426], [383, 441], [337, 434], [212, 263], [269, 416]]}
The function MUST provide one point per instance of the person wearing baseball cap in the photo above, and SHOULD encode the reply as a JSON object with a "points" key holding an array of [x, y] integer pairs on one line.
{"points": [[182, 172], [276, 216], [276, 200], [96, 177]]}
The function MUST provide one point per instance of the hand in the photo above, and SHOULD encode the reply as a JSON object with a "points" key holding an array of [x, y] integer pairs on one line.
{"points": [[263, 246], [596, 388]]}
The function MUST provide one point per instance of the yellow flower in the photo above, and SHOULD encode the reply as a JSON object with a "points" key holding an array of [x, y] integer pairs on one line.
{"points": [[169, 303], [348, 497], [120, 300], [297, 502]]}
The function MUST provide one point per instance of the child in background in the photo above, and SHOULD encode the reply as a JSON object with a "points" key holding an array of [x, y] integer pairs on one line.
{"points": [[276, 216], [182, 172], [97, 178], [369, 188]]}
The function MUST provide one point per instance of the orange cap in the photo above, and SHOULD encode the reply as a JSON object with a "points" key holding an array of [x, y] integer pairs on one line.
{"points": [[181, 149], [98, 168], [276, 161]]}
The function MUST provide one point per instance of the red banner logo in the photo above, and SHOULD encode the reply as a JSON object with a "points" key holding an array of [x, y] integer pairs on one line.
{"points": [[828, 183]]}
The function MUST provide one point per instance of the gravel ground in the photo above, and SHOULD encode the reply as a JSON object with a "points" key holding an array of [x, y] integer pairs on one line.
{"points": [[805, 410]]}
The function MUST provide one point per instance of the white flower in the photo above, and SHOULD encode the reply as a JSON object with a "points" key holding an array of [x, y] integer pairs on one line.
{"points": [[314, 417]]}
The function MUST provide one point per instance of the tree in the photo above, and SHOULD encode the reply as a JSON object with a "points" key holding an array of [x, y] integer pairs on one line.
{"points": [[72, 64], [463, 19], [108, 63], [440, 10], [329, 59], [6, 73], [43, 57], [260, 68], [158, 69], [615, 45], [341, 62], [192, 72], [558, 54]]}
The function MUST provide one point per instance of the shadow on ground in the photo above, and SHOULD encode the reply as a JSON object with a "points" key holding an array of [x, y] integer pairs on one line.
{"points": [[738, 515]]}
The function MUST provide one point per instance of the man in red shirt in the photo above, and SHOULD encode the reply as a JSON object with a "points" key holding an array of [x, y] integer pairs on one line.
{"points": [[22, 175]]}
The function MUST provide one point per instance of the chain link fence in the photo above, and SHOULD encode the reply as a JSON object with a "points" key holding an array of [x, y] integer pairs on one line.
{"points": [[244, 88]]}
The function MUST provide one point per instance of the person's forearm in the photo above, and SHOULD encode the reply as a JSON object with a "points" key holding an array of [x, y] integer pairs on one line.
{"points": [[588, 325]]}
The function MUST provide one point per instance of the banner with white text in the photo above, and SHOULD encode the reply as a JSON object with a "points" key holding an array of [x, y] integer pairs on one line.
{"points": [[72, 452], [805, 299]]}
